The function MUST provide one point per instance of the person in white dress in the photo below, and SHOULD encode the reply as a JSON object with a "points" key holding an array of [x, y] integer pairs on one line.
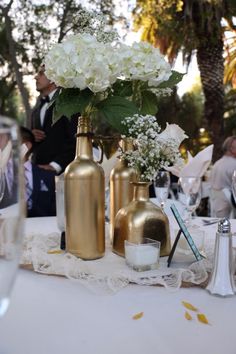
{"points": [[221, 181]]}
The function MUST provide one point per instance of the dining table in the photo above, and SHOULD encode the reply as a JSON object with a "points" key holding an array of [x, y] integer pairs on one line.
{"points": [[51, 314]]}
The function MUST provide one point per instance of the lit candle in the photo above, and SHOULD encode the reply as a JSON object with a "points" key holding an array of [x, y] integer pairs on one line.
{"points": [[142, 255]]}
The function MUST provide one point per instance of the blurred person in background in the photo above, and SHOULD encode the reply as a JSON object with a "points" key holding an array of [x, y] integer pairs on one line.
{"points": [[8, 185], [221, 181], [54, 143], [39, 182]]}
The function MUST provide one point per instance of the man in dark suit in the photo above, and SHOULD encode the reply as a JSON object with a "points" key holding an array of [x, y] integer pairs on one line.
{"points": [[43, 193], [55, 143]]}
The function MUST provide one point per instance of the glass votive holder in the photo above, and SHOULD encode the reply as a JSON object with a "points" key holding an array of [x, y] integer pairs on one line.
{"points": [[142, 256]]}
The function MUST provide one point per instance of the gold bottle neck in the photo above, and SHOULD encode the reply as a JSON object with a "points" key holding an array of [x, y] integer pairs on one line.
{"points": [[84, 125], [141, 191], [127, 144], [84, 148]]}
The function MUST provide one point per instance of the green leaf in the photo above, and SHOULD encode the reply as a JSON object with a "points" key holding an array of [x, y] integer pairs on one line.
{"points": [[114, 109], [149, 103], [122, 88], [71, 101], [174, 79]]}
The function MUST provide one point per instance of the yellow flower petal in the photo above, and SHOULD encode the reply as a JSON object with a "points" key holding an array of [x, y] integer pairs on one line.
{"points": [[202, 318], [55, 251], [188, 316], [189, 306], [137, 316]]}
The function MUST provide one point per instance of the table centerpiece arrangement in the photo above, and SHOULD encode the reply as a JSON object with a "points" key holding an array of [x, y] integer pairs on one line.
{"points": [[100, 77]]}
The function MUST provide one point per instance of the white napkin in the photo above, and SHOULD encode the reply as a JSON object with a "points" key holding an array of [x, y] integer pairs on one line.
{"points": [[196, 166]]}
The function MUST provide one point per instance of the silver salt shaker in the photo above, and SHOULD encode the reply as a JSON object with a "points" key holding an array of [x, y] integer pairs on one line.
{"points": [[222, 281]]}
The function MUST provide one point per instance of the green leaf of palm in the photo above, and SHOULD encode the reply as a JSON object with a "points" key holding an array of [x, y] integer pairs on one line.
{"points": [[115, 109]]}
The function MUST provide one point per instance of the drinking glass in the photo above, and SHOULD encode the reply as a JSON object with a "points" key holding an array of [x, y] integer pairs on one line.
{"points": [[234, 185], [60, 208], [12, 208], [189, 195], [162, 186], [2, 183]]}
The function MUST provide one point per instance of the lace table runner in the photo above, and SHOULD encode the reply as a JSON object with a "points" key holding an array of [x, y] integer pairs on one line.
{"points": [[108, 274]]}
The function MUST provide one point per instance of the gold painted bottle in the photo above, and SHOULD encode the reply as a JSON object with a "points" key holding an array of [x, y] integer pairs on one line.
{"points": [[121, 188], [141, 218], [85, 199]]}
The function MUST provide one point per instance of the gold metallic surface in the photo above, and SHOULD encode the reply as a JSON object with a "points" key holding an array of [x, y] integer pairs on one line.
{"points": [[141, 218], [121, 190], [85, 201]]}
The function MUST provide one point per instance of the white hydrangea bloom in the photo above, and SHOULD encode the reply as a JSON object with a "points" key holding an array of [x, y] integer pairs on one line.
{"points": [[83, 62], [142, 61]]}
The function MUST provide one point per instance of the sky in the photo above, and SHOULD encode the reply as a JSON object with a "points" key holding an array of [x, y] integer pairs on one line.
{"points": [[190, 78]]}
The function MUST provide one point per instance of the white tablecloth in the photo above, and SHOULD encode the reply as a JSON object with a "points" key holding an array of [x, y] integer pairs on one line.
{"points": [[51, 315]]}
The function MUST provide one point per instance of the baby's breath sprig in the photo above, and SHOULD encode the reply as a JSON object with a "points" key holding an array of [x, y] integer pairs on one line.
{"points": [[153, 150], [96, 25]]}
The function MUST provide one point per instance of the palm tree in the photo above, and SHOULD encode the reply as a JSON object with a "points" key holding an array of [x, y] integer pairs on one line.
{"points": [[13, 48], [193, 26], [230, 81]]}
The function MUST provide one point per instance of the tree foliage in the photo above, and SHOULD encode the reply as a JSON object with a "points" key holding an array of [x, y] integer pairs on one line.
{"points": [[230, 112], [175, 25], [230, 57], [27, 30], [189, 26], [179, 110]]}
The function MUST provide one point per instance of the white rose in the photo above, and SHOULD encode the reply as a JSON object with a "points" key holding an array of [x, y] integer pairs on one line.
{"points": [[173, 131]]}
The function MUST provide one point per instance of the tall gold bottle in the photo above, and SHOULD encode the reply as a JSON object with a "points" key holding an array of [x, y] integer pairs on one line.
{"points": [[141, 218], [121, 188], [85, 200]]}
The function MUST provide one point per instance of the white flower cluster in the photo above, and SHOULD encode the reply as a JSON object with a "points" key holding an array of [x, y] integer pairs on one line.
{"points": [[96, 25], [161, 92], [143, 62], [81, 61], [152, 150]]}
